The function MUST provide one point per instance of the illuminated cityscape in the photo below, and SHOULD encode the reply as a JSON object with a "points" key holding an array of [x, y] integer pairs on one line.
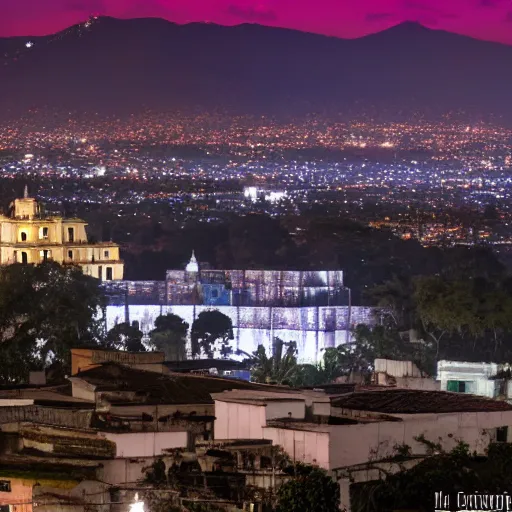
{"points": [[261, 266]]}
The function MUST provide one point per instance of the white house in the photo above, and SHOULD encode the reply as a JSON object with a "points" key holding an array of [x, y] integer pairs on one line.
{"points": [[344, 432]]}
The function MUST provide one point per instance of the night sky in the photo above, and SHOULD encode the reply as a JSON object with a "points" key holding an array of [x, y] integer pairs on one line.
{"points": [[484, 19]]}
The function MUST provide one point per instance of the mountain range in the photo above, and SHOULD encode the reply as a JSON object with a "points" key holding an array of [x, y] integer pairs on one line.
{"points": [[112, 65]]}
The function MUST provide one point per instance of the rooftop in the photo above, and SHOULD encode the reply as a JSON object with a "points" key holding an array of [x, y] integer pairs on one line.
{"points": [[46, 395], [408, 401], [152, 387], [204, 364]]}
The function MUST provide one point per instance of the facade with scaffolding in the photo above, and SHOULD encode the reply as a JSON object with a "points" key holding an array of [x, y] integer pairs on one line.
{"points": [[312, 308]]}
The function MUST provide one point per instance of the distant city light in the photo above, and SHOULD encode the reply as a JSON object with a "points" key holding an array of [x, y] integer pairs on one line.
{"points": [[29, 44]]}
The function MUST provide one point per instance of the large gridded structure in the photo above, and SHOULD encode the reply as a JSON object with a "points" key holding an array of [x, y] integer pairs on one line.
{"points": [[311, 308]]}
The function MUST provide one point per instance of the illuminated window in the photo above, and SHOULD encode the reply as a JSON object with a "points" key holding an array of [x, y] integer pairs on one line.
{"points": [[45, 254]]}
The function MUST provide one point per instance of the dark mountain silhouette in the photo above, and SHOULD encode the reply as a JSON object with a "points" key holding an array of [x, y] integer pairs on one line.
{"points": [[126, 65]]}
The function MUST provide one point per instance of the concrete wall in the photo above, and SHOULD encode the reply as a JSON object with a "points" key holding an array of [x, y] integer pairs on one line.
{"points": [[20, 497], [397, 368], [46, 416], [126, 471], [239, 421], [312, 328], [475, 373], [292, 409], [357, 444], [146, 444], [302, 446]]}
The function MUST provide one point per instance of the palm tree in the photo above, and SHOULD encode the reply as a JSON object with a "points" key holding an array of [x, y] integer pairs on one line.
{"points": [[277, 369]]}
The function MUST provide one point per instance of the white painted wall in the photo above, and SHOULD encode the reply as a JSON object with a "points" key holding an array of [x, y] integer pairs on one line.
{"points": [[8, 402], [309, 447], [252, 325], [239, 421], [356, 444], [397, 368], [477, 373], [335, 446], [291, 409], [146, 444]]}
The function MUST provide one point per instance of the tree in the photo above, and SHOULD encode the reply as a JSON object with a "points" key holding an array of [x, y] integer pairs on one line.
{"points": [[476, 315], [311, 489], [280, 368], [45, 310], [450, 473], [208, 328], [170, 336], [125, 337], [397, 297], [325, 372]]}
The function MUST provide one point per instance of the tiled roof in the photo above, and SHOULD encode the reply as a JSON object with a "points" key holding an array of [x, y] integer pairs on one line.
{"points": [[408, 401], [152, 387]]}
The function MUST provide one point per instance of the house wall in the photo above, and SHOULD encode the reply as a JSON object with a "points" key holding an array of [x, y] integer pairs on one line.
{"points": [[146, 444], [357, 444], [476, 373], [239, 421], [292, 409], [397, 368], [46, 415], [20, 497], [301, 446], [24, 492]]}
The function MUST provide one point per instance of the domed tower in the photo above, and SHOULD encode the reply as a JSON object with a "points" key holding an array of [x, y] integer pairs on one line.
{"points": [[192, 266]]}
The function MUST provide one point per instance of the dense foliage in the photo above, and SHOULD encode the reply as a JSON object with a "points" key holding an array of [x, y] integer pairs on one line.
{"points": [[170, 336], [311, 489], [208, 328], [124, 336], [45, 310], [450, 473]]}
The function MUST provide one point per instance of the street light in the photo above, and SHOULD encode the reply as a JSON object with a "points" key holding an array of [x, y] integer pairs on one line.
{"points": [[137, 506]]}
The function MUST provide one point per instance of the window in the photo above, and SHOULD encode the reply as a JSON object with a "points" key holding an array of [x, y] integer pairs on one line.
{"points": [[71, 234], [23, 236], [44, 254], [24, 257], [15, 256], [44, 232], [458, 386], [502, 434], [100, 273], [106, 254], [70, 255], [215, 294], [5, 508], [115, 495], [5, 486], [109, 274]]}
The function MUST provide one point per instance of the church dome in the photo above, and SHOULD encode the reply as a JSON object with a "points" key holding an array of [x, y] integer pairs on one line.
{"points": [[192, 266]]}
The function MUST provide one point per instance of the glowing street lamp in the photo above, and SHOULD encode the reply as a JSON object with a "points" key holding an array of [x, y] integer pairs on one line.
{"points": [[137, 506]]}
